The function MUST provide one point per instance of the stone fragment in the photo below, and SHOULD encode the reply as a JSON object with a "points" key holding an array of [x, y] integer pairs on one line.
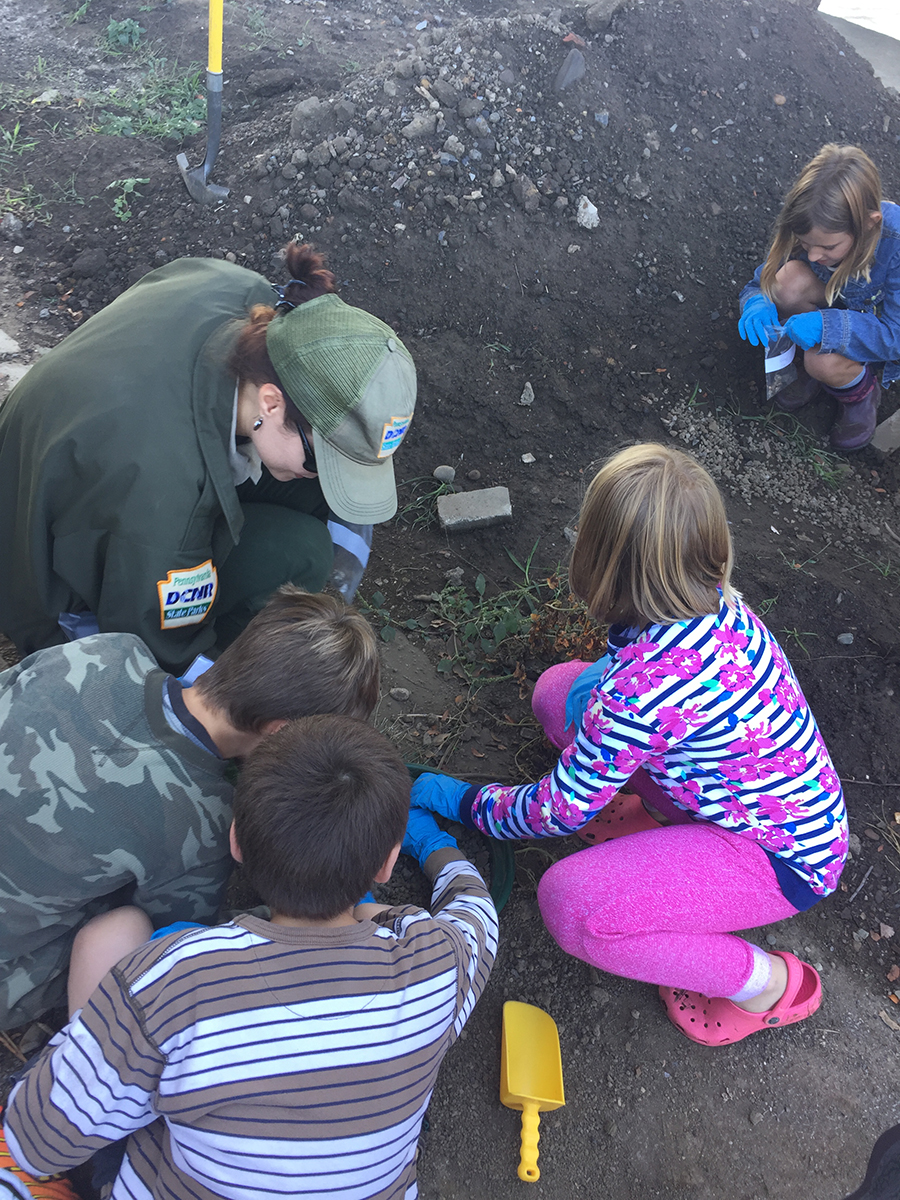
{"points": [[586, 214], [472, 510], [399, 693], [11, 226], [599, 14], [320, 156], [271, 81], [887, 435], [526, 193], [305, 115], [527, 397], [571, 71], [469, 106], [89, 262], [444, 474], [845, 639], [420, 126], [446, 93]]}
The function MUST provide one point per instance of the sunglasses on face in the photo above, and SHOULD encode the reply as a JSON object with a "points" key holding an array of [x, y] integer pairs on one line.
{"points": [[309, 462]]}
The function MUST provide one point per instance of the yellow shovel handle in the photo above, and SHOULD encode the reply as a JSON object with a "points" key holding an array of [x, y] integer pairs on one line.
{"points": [[214, 64], [528, 1155]]}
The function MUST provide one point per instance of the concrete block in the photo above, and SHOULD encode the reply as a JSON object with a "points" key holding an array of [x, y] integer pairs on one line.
{"points": [[887, 434], [471, 510]]}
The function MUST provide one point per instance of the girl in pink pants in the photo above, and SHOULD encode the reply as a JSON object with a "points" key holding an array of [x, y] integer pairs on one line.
{"points": [[695, 707]]}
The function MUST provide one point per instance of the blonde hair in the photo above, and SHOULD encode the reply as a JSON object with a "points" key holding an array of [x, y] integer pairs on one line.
{"points": [[653, 540], [836, 191]]}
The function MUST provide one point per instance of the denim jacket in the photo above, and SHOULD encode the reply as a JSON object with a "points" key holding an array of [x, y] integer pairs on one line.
{"points": [[867, 330]]}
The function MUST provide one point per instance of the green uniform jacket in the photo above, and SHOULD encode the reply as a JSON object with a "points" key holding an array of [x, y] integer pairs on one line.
{"points": [[102, 803], [114, 468]]}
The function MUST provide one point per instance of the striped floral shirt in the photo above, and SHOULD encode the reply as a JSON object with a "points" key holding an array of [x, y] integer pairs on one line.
{"points": [[250, 1061], [712, 710]]}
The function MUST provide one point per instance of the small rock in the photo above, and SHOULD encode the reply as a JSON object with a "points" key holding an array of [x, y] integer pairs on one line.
{"points": [[526, 193], [10, 226], [771, 939], [586, 214], [304, 115], [473, 475], [779, 99], [527, 397], [571, 71], [598, 15], [845, 639], [399, 693], [455, 576], [89, 262], [854, 845], [469, 107], [446, 93], [528, 458], [756, 1117], [420, 126], [444, 474]]}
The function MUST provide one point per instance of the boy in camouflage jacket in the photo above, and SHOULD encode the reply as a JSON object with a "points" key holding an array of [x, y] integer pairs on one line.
{"points": [[114, 784]]}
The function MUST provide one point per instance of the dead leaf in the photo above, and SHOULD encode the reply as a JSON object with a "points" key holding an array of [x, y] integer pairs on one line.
{"points": [[478, 754], [891, 1024]]}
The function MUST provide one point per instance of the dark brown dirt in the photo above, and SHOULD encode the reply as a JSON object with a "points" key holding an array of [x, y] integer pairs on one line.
{"points": [[627, 331]]}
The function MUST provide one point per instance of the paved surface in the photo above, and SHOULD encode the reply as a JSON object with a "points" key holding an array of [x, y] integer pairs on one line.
{"points": [[882, 52]]}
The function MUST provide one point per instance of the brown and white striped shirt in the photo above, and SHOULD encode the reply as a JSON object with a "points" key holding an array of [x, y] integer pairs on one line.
{"points": [[251, 1060]]}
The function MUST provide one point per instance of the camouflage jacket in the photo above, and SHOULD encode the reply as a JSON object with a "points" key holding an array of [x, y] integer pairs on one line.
{"points": [[103, 803]]}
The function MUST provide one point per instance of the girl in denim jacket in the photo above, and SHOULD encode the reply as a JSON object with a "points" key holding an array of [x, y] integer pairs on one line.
{"points": [[832, 277]]}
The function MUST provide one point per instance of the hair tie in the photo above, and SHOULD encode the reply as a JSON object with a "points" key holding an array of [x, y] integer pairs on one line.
{"points": [[283, 301]]}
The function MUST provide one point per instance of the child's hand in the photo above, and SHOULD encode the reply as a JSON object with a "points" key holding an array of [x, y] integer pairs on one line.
{"points": [[423, 836], [805, 330], [758, 317], [439, 793]]}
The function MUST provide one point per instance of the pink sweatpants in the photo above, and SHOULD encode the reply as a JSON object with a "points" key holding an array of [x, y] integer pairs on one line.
{"points": [[659, 906]]}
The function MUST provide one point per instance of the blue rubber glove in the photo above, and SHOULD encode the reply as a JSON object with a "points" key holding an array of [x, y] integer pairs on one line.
{"points": [[440, 794], [423, 836], [805, 330], [759, 316]]}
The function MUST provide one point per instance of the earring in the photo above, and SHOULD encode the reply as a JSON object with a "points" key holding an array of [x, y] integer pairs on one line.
{"points": [[257, 424]]}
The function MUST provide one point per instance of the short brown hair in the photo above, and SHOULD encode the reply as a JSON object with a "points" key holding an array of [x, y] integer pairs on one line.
{"points": [[318, 807], [837, 191], [653, 540], [302, 654]]}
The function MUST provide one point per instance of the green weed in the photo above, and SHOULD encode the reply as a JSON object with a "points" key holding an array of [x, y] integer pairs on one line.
{"points": [[374, 608], [797, 636], [420, 511], [127, 189], [123, 36], [25, 202], [257, 25], [79, 13], [13, 143]]}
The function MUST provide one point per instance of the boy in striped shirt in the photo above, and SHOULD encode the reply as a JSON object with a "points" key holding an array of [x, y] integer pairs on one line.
{"points": [[295, 1055]]}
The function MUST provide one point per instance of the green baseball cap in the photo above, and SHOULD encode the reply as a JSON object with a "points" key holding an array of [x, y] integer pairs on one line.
{"points": [[355, 382]]}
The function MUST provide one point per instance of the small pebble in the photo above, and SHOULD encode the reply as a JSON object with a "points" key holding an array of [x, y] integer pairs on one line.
{"points": [[845, 639], [771, 939], [473, 475], [528, 458], [444, 474], [399, 693], [779, 99], [755, 1118]]}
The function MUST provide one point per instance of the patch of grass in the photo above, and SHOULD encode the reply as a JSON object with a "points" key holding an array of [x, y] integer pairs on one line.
{"points": [[127, 189], [168, 103], [380, 616], [25, 202], [13, 143], [123, 37], [352, 66], [257, 25], [765, 606]]}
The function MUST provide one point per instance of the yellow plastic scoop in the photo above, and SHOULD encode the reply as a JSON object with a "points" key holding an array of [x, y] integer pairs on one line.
{"points": [[530, 1074]]}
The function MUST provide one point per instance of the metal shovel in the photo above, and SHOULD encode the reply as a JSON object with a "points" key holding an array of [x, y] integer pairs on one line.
{"points": [[196, 178], [530, 1074]]}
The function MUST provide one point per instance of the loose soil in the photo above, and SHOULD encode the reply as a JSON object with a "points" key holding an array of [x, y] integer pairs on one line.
{"points": [[677, 134]]}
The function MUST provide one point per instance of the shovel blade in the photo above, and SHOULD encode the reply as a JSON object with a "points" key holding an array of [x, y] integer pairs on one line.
{"points": [[530, 1061]]}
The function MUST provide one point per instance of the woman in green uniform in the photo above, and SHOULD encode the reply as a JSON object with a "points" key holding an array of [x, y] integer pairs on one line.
{"points": [[179, 456]]}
